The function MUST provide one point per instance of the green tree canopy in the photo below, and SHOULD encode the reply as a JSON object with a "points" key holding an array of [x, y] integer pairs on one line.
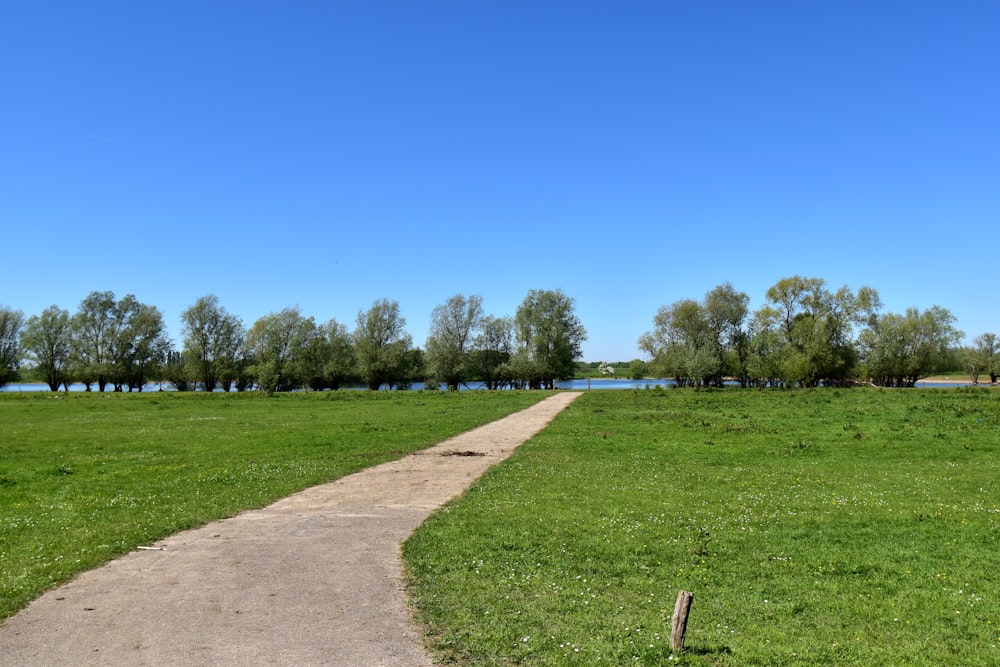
{"points": [[93, 336], [987, 348], [330, 357], [141, 346], [117, 341], [213, 339], [700, 342], [11, 322], [453, 327], [549, 335], [47, 340], [492, 350], [897, 350], [812, 330], [276, 346], [381, 344], [680, 343]]}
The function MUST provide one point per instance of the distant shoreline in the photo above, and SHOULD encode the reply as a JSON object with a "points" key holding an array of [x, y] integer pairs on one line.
{"points": [[962, 381]]}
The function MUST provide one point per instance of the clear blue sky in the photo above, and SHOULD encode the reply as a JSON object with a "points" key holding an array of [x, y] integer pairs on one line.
{"points": [[328, 154]]}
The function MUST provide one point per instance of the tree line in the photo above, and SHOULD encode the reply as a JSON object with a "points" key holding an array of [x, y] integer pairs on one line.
{"points": [[808, 335], [122, 344], [804, 335]]}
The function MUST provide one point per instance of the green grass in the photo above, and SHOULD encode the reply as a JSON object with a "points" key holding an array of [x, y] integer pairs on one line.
{"points": [[87, 477], [825, 527]]}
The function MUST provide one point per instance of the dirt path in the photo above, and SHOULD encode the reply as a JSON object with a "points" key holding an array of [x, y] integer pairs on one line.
{"points": [[314, 579]]}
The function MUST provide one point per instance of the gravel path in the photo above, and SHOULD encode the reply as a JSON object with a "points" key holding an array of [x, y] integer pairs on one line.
{"points": [[314, 579]]}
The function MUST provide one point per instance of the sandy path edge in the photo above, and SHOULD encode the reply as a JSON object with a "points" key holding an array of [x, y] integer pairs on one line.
{"points": [[314, 579]]}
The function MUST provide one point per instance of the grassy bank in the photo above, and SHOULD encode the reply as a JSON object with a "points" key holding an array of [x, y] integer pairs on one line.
{"points": [[87, 477], [834, 527]]}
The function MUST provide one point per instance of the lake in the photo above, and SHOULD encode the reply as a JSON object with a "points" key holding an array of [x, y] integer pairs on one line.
{"points": [[578, 384]]}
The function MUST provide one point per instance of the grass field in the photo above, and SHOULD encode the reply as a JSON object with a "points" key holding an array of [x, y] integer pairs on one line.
{"points": [[87, 477], [825, 527]]}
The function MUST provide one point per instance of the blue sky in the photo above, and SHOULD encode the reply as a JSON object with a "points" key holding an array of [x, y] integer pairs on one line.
{"points": [[329, 154]]}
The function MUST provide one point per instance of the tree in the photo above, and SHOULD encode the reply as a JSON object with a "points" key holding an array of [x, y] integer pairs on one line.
{"points": [[141, 345], [987, 346], [276, 344], [700, 343], [897, 350], [680, 345], [768, 363], [453, 327], [812, 329], [491, 351], [242, 379], [412, 369], [381, 343], [176, 370], [972, 361], [93, 335], [118, 341], [637, 369], [11, 322], [212, 342], [726, 313], [549, 336], [330, 357], [47, 340]]}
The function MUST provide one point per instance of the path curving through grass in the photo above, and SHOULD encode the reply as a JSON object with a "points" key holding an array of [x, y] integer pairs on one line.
{"points": [[315, 578]]}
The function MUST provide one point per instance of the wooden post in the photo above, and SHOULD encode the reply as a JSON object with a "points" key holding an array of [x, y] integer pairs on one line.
{"points": [[678, 624]]}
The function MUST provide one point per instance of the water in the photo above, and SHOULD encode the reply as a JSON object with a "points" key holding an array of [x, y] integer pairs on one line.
{"points": [[612, 383], [577, 384], [25, 387]]}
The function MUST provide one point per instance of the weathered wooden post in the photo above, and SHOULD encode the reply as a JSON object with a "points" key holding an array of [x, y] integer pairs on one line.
{"points": [[679, 621]]}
